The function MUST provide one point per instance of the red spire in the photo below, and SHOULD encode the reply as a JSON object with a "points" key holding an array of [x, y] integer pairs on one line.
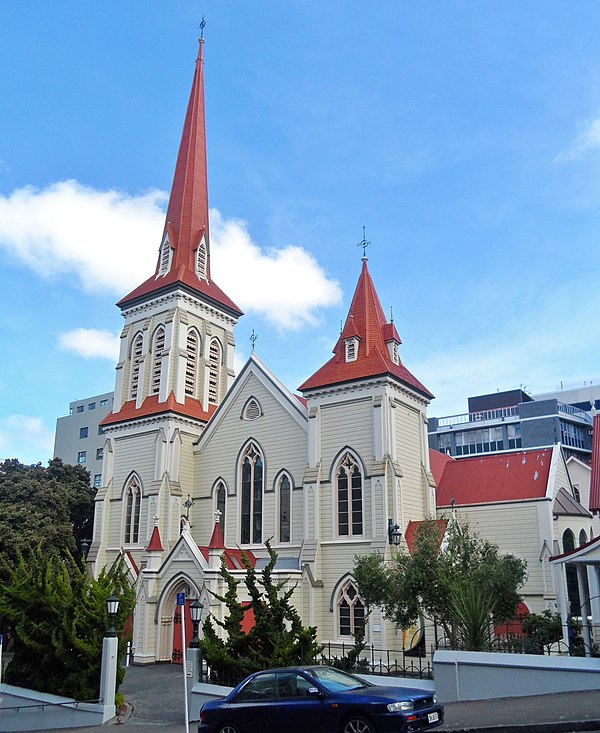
{"points": [[595, 478], [187, 213], [155, 544], [216, 540], [366, 322], [186, 223]]}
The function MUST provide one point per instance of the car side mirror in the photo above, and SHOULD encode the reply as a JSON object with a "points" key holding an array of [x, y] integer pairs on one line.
{"points": [[313, 692]]}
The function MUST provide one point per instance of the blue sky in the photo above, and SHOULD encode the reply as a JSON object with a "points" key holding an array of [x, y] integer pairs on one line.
{"points": [[465, 136]]}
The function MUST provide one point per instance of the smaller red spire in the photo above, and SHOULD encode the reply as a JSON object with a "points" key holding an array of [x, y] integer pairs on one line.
{"points": [[216, 540], [155, 544], [366, 322]]}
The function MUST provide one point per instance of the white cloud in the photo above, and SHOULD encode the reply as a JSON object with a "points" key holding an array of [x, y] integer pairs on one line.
{"points": [[588, 139], [25, 437], [91, 343], [107, 238], [287, 286], [109, 241]]}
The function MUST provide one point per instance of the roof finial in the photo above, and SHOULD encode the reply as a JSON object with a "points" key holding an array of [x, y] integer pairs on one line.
{"points": [[364, 244], [202, 26], [253, 339], [391, 314]]}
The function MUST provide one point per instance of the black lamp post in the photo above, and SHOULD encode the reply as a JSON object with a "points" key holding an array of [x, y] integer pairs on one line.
{"points": [[112, 606], [394, 533], [195, 614]]}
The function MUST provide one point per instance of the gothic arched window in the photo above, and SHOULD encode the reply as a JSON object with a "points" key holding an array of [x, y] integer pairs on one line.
{"points": [[284, 499], [220, 499], [252, 477], [191, 361], [214, 369], [133, 502], [158, 347], [349, 497], [137, 351], [350, 610]]}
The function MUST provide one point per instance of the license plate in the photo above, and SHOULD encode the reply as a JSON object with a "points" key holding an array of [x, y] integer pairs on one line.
{"points": [[432, 717]]}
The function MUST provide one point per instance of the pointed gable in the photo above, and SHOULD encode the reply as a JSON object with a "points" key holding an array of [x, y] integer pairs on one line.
{"points": [[184, 255], [595, 478], [366, 324]]}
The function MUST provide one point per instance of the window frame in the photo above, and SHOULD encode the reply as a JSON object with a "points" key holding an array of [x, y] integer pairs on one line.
{"points": [[251, 493]]}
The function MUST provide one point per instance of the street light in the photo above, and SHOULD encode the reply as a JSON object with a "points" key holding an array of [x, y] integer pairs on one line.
{"points": [[195, 614], [394, 533], [112, 606]]}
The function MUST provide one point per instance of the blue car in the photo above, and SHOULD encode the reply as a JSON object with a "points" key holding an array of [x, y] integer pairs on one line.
{"points": [[318, 700]]}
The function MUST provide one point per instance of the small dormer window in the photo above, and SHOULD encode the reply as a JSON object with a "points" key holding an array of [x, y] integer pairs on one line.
{"points": [[201, 259], [165, 255], [393, 350], [351, 349]]}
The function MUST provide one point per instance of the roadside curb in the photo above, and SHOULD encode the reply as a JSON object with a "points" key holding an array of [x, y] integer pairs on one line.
{"points": [[551, 727]]}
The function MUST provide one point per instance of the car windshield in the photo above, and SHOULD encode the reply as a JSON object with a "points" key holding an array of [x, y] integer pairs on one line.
{"points": [[333, 680]]}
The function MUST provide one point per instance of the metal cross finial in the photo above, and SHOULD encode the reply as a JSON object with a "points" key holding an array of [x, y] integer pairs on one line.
{"points": [[202, 26], [391, 314], [253, 339], [364, 244], [188, 505]]}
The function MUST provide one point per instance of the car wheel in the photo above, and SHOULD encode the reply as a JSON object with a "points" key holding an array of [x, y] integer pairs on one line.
{"points": [[356, 724], [229, 728]]}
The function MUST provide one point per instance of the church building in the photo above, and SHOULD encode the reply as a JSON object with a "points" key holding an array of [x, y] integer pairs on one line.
{"points": [[201, 464]]}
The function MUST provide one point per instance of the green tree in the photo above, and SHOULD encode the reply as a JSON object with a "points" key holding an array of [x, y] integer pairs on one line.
{"points": [[53, 505], [277, 638], [461, 584], [59, 618]]}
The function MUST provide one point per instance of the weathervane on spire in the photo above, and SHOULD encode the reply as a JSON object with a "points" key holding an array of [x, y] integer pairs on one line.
{"points": [[364, 244], [202, 26], [253, 339]]}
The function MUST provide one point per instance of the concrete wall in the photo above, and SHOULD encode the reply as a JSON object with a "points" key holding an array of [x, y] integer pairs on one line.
{"points": [[483, 676], [26, 710]]}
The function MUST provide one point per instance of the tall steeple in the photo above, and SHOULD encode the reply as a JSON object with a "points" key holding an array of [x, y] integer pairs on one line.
{"points": [[367, 346], [184, 253]]}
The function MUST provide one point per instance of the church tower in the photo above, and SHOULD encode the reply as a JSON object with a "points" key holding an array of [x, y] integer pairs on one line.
{"points": [[175, 365], [368, 462]]}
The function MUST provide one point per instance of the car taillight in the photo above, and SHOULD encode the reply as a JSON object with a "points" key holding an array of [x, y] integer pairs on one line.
{"points": [[202, 717]]}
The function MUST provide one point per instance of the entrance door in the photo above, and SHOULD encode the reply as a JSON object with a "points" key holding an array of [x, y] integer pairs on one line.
{"points": [[177, 654]]}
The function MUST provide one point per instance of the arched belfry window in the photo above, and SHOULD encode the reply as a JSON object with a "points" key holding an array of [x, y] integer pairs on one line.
{"points": [[284, 504], [158, 347], [350, 610], [165, 255], [252, 485], [132, 497], [349, 485], [214, 371], [137, 355], [192, 348], [201, 259]]}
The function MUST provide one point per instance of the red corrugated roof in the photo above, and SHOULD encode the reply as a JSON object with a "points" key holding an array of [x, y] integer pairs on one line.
{"points": [[233, 558], [187, 213], [413, 527], [595, 477], [437, 463], [151, 406], [367, 321], [501, 477]]}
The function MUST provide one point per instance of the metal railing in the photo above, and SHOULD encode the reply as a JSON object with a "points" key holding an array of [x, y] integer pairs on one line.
{"points": [[480, 416]]}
